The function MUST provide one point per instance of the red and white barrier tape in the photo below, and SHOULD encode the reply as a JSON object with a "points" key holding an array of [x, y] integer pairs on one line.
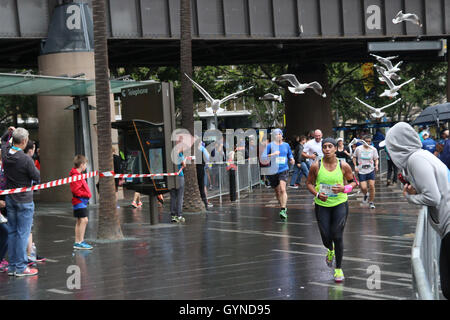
{"points": [[60, 182]]}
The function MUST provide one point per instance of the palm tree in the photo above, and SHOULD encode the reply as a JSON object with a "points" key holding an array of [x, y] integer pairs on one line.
{"points": [[108, 225], [192, 199]]}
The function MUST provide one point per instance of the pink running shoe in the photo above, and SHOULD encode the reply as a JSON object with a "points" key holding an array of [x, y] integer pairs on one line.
{"points": [[27, 272], [4, 266]]}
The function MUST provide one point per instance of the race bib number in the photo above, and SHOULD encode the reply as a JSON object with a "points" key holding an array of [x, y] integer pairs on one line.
{"points": [[326, 189], [366, 155], [280, 160]]}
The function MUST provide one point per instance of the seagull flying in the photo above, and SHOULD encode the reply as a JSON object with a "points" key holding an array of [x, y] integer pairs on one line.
{"points": [[298, 87], [388, 63], [392, 92], [271, 97], [412, 17], [377, 111], [390, 75], [215, 103]]}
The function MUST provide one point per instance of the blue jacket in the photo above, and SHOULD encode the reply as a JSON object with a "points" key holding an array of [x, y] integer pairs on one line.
{"points": [[429, 144]]}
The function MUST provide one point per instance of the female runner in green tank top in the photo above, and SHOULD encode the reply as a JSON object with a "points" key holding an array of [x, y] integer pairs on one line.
{"points": [[326, 181]]}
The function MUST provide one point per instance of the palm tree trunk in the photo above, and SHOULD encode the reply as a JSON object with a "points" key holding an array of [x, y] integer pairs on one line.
{"points": [[192, 199], [108, 224]]}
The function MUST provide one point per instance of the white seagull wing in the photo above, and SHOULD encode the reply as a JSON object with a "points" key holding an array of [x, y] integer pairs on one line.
{"points": [[388, 81], [390, 104], [291, 78], [202, 91], [231, 96], [370, 107], [316, 87]]}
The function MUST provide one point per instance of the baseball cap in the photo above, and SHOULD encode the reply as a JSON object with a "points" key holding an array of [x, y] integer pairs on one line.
{"points": [[277, 131]]}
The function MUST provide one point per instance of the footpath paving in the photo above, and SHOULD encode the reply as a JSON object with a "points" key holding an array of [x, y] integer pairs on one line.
{"points": [[238, 250]]}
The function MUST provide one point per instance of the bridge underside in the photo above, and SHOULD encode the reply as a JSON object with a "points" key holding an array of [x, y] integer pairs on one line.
{"points": [[23, 53]]}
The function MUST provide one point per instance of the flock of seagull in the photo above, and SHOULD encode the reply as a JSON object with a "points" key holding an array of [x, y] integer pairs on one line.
{"points": [[387, 72]]}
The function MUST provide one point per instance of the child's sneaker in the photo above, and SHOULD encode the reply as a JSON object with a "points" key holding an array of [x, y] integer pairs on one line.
{"points": [[27, 272], [134, 205], [82, 246], [139, 204]]}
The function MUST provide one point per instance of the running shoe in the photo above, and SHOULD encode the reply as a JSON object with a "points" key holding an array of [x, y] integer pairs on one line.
{"points": [[82, 246], [4, 266], [139, 204], [283, 214], [365, 198], [293, 187], [174, 219], [338, 275], [181, 219], [11, 272], [329, 258], [371, 205], [27, 272], [134, 205]]}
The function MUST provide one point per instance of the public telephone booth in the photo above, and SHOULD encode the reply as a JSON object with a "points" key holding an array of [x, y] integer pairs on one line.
{"points": [[148, 119]]}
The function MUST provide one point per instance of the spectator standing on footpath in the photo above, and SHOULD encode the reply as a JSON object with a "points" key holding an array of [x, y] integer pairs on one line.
{"points": [[80, 199], [300, 166], [428, 185], [428, 143], [20, 171], [177, 195], [31, 248]]}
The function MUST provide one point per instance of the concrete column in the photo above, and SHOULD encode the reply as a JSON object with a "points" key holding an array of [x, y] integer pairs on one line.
{"points": [[308, 111], [56, 125]]}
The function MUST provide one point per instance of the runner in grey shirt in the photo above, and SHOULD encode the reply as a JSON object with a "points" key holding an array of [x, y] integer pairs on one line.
{"points": [[365, 160]]}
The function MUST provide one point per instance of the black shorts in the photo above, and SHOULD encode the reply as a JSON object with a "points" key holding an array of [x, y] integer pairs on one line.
{"points": [[275, 178], [80, 213]]}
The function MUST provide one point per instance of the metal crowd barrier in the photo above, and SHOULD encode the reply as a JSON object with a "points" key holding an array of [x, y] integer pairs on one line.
{"points": [[425, 259], [248, 175], [383, 162]]}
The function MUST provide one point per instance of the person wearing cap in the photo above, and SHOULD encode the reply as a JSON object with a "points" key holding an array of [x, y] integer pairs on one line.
{"points": [[365, 160], [428, 143], [279, 153], [330, 180], [428, 184]]}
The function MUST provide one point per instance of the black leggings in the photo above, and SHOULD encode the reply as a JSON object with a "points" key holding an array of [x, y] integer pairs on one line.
{"points": [[331, 221], [444, 266]]}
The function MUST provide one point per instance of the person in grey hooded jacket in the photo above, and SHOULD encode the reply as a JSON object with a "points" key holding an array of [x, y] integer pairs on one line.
{"points": [[428, 185]]}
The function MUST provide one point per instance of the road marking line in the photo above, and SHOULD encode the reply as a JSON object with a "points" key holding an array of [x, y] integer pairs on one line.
{"points": [[390, 273], [257, 233], [322, 254], [383, 281], [359, 291], [394, 254], [59, 291]]}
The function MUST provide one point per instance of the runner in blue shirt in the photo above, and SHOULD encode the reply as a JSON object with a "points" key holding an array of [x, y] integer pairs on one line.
{"points": [[281, 153]]}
